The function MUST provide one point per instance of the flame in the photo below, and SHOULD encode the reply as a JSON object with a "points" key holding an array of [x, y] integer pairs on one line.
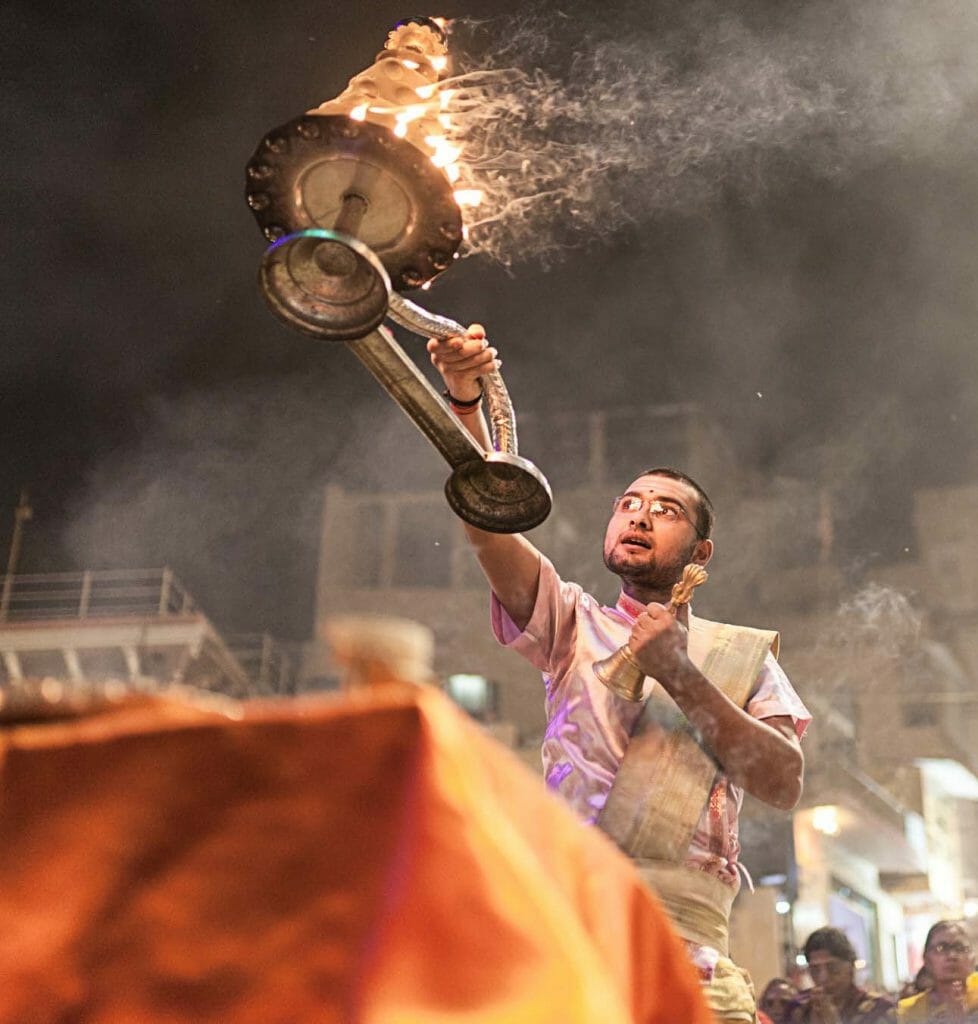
{"points": [[445, 153], [468, 196], [418, 69], [411, 113]]}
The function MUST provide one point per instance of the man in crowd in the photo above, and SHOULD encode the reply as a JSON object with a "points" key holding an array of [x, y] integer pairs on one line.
{"points": [[835, 998], [682, 834], [775, 999], [950, 963]]}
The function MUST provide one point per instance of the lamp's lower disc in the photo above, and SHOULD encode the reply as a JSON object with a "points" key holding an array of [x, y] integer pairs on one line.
{"points": [[325, 284], [501, 493]]}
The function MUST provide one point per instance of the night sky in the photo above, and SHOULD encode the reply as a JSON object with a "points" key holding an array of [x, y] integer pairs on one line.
{"points": [[161, 415]]}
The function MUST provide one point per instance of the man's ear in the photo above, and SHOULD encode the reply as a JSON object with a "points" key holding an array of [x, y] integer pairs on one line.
{"points": [[703, 552]]}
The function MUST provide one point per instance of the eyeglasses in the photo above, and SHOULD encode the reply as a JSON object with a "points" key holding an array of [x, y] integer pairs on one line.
{"points": [[659, 510], [946, 948]]}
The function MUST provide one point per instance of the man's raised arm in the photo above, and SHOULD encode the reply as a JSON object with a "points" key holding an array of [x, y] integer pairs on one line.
{"points": [[510, 562]]}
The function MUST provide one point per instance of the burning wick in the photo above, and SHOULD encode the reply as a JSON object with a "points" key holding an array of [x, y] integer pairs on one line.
{"points": [[402, 92]]}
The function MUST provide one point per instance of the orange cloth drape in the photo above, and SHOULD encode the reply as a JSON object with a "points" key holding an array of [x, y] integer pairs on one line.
{"points": [[367, 859]]}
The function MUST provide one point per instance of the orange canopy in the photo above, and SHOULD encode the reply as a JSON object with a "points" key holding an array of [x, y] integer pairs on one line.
{"points": [[374, 858]]}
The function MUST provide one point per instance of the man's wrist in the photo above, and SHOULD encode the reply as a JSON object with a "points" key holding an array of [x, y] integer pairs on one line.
{"points": [[463, 389]]}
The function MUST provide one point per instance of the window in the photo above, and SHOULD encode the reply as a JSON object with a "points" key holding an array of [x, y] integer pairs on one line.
{"points": [[918, 715], [474, 694]]}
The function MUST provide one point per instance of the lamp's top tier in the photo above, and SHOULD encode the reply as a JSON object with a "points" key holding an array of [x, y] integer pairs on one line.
{"points": [[386, 140], [399, 91]]}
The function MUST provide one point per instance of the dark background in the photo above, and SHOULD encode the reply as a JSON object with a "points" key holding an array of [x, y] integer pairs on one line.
{"points": [[160, 415]]}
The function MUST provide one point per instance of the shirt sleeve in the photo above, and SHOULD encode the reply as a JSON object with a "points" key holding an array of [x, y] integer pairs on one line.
{"points": [[774, 696], [552, 626]]}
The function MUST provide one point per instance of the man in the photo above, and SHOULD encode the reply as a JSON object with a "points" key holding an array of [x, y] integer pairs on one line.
{"points": [[953, 993], [775, 999], [835, 998], [660, 524]]}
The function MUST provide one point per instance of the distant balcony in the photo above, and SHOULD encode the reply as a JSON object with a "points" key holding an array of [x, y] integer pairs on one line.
{"points": [[93, 594], [129, 625]]}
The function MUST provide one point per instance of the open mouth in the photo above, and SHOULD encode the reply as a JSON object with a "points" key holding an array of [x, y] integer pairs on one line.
{"points": [[634, 540]]}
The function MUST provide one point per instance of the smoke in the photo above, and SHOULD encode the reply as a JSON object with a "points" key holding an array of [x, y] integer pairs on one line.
{"points": [[881, 619], [574, 127], [224, 485]]}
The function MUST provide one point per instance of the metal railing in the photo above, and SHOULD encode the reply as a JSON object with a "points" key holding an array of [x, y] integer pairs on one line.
{"points": [[93, 594], [268, 662]]}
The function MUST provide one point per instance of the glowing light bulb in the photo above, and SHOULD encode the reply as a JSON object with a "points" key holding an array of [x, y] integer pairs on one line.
{"points": [[359, 113], [439, 63]]}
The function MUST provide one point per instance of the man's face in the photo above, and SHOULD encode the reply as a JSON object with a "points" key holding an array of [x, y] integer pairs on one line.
{"points": [[949, 956], [832, 975], [649, 544], [776, 998]]}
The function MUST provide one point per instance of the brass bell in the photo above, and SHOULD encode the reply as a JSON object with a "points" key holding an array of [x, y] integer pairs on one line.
{"points": [[618, 671], [620, 674]]}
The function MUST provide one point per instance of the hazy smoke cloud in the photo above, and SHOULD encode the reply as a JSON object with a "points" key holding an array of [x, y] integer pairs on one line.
{"points": [[880, 618], [574, 126]]}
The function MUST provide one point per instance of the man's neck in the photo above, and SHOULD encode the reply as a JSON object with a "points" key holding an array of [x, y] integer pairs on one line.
{"points": [[645, 595]]}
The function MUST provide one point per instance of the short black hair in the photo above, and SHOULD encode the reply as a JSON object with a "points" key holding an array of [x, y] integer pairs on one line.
{"points": [[705, 515], [833, 941]]}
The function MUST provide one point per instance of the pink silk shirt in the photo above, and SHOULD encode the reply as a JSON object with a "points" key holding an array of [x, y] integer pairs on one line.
{"points": [[588, 726]]}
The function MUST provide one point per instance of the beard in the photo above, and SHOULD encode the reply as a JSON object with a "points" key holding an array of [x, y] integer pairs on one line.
{"points": [[655, 574]]}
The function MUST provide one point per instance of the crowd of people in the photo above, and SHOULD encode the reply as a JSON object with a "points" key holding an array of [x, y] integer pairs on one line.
{"points": [[944, 990]]}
